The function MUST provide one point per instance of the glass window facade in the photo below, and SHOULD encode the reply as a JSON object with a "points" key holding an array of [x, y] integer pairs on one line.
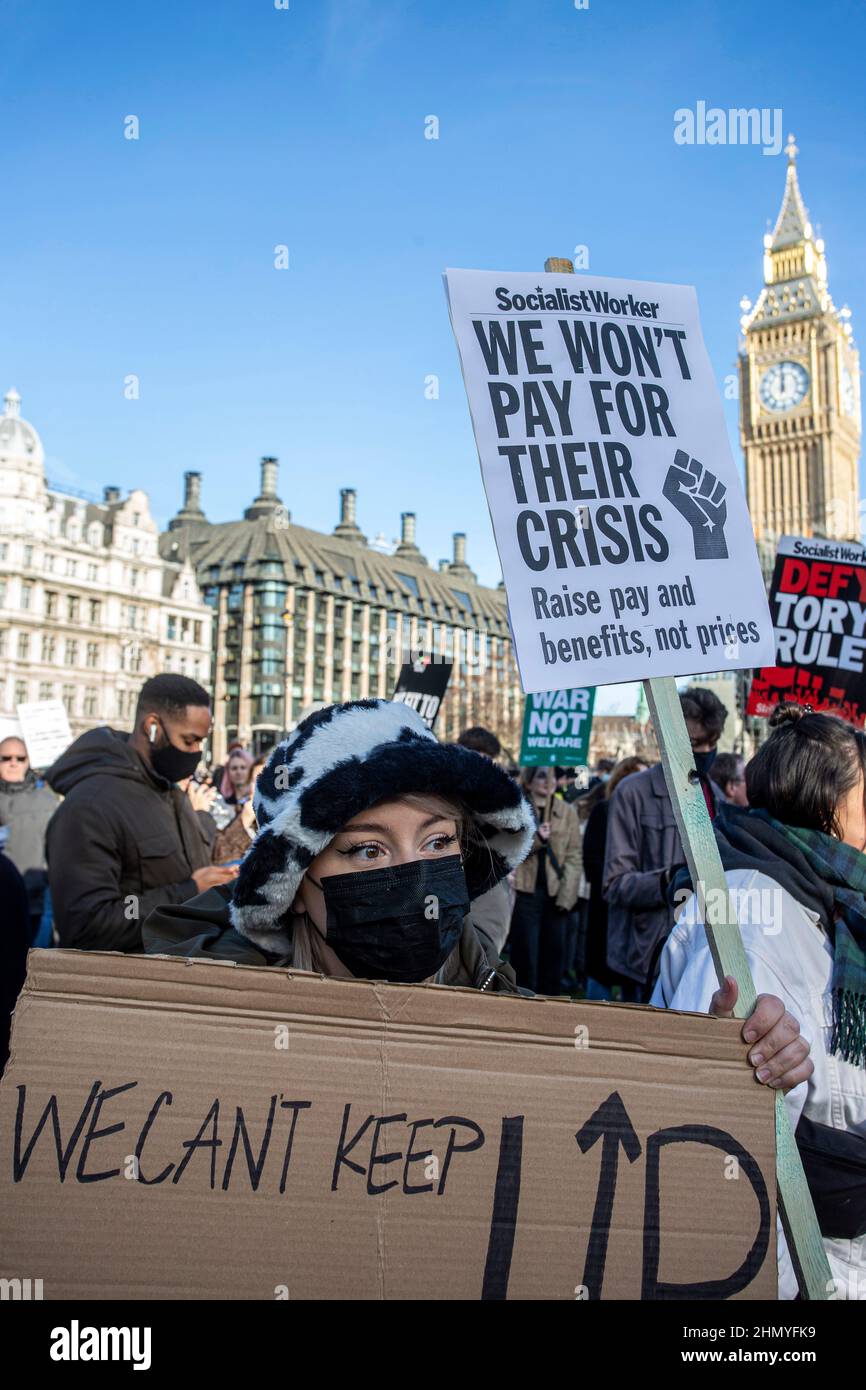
{"points": [[349, 620]]}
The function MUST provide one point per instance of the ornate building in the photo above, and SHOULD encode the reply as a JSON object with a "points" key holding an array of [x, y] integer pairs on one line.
{"points": [[799, 389], [88, 608], [304, 618]]}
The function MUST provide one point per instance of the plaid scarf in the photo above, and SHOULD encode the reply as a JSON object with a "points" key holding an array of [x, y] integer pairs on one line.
{"points": [[843, 868], [824, 874]]}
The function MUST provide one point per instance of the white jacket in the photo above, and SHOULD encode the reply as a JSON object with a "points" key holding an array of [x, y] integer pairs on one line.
{"points": [[789, 956]]}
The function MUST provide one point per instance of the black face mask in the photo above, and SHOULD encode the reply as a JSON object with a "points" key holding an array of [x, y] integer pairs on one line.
{"points": [[173, 763], [398, 924], [704, 761]]}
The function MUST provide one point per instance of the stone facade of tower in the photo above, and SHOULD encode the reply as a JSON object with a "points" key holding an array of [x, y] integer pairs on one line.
{"points": [[799, 389]]}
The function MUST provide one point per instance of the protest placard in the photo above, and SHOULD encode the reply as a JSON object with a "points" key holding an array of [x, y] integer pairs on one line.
{"points": [[818, 603], [421, 684], [184, 1128], [620, 520], [724, 564], [556, 728], [45, 729]]}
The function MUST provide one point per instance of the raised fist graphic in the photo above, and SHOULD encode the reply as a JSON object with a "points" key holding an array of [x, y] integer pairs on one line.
{"points": [[698, 496]]}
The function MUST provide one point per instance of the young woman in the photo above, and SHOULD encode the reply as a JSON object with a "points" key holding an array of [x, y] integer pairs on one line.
{"points": [[236, 781], [374, 840], [796, 869], [233, 840], [547, 885]]}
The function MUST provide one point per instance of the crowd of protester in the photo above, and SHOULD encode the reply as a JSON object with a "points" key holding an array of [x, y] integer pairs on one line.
{"points": [[323, 853]]}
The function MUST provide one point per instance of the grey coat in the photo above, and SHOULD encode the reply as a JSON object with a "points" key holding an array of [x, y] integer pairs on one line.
{"points": [[642, 840], [26, 808]]}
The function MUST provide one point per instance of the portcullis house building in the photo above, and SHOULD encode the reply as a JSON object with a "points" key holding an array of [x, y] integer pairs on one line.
{"points": [[303, 618]]}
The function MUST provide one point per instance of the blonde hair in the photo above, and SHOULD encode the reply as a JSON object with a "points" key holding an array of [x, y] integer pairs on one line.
{"points": [[302, 945]]}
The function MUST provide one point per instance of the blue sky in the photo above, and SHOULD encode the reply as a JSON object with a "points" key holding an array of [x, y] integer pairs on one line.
{"points": [[305, 127]]}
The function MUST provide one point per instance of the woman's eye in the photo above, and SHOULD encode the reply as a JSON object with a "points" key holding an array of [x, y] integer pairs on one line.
{"points": [[367, 853], [440, 842]]}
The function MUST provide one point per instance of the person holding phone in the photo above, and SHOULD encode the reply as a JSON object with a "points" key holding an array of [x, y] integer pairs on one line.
{"points": [[126, 838]]}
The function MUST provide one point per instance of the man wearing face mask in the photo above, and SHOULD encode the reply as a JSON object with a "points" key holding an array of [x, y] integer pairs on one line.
{"points": [[126, 839], [643, 850]]}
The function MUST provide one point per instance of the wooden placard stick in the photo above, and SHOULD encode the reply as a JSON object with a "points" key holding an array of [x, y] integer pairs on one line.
{"points": [[729, 957]]}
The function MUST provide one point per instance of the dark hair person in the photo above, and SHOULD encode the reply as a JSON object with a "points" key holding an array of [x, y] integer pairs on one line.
{"points": [[599, 977], [795, 865], [125, 832], [480, 740], [729, 774]]}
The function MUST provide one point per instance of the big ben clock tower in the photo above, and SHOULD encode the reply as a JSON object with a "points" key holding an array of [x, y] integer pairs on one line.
{"points": [[799, 389]]}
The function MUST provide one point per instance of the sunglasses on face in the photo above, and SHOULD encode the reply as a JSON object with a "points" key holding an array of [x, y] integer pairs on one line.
{"points": [[13, 757]]}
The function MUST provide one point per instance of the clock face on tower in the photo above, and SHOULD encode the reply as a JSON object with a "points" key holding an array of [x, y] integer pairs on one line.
{"points": [[849, 400], [783, 385]]}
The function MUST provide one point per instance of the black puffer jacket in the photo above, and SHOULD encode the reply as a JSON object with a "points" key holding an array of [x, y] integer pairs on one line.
{"points": [[123, 842]]}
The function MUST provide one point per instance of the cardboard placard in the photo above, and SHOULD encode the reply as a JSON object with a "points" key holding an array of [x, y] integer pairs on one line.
{"points": [[45, 730], [818, 602], [621, 524], [556, 728], [421, 685], [193, 1129]]}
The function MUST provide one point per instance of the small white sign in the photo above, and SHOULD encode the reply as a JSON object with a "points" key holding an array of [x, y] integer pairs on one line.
{"points": [[621, 524], [45, 730]]}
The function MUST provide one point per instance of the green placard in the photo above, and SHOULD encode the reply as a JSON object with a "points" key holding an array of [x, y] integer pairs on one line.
{"points": [[556, 726]]}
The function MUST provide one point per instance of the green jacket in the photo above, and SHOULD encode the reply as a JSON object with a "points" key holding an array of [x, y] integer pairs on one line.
{"points": [[201, 927]]}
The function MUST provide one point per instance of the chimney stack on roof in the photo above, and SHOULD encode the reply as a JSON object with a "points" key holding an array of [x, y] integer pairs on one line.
{"points": [[191, 509], [110, 495], [267, 502], [192, 491], [407, 549], [270, 467], [458, 565], [347, 527]]}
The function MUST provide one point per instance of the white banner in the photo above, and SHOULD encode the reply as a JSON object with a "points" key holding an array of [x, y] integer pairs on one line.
{"points": [[622, 527], [45, 729]]}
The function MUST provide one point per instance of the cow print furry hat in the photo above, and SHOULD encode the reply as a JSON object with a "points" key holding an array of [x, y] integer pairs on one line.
{"points": [[342, 760]]}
